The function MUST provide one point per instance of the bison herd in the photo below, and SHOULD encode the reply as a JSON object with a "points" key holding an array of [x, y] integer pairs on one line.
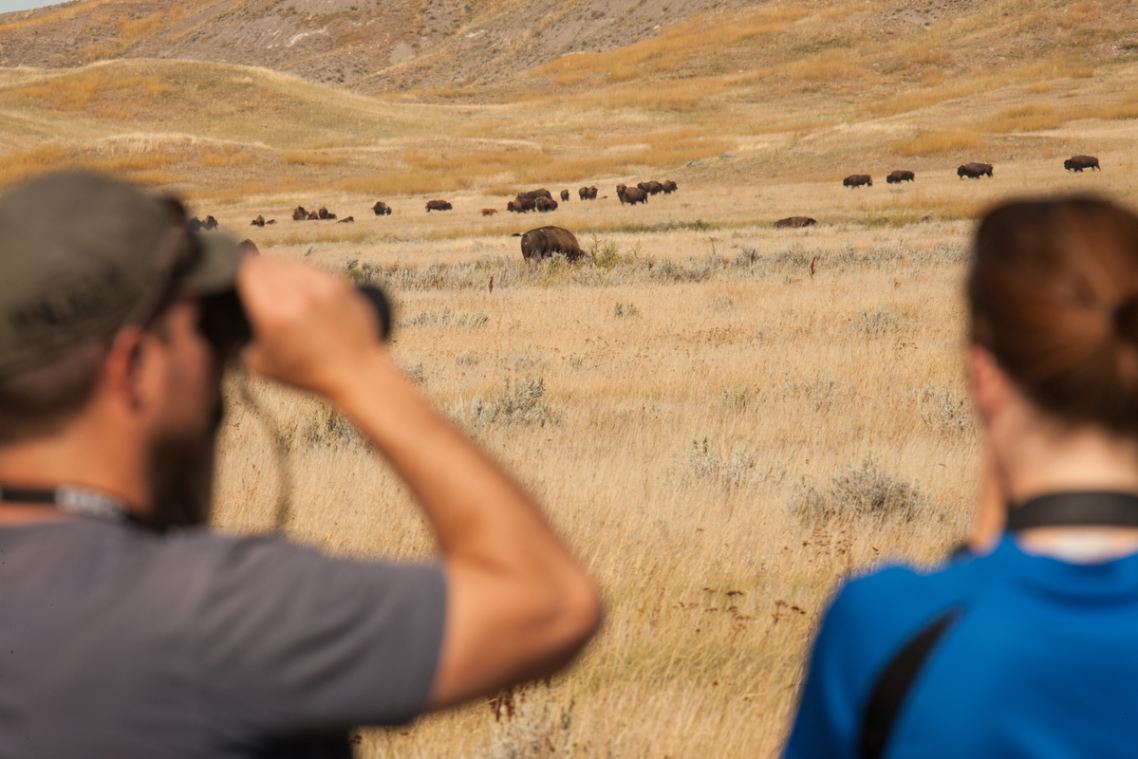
{"points": [[548, 241], [971, 170]]}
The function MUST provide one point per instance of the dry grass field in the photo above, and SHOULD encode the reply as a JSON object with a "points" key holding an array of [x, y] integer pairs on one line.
{"points": [[722, 418]]}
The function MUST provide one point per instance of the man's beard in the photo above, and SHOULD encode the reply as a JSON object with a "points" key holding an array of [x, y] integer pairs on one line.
{"points": [[181, 469]]}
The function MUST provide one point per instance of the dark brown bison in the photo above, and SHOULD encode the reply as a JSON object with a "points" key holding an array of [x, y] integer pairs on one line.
{"points": [[381, 209], [564, 196], [668, 186], [544, 242], [631, 195], [313, 216], [544, 205], [1081, 162], [325, 214], [347, 220], [899, 176], [587, 193], [651, 187], [299, 214], [521, 205], [858, 180], [974, 170], [795, 222], [248, 247], [260, 221], [438, 205], [535, 194], [489, 211]]}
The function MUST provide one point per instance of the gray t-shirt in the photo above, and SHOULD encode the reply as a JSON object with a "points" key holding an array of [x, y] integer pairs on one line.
{"points": [[118, 642]]}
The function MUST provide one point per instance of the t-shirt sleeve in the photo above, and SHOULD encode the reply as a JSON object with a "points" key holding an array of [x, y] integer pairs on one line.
{"points": [[292, 640], [827, 722]]}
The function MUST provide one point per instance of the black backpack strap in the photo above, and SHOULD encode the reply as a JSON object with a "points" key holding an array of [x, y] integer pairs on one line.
{"points": [[893, 685]]}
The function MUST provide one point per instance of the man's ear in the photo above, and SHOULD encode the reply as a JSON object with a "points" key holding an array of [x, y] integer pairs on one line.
{"points": [[987, 384], [122, 371]]}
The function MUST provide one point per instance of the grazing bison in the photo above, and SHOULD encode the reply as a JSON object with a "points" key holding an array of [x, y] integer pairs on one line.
{"points": [[564, 196], [651, 187], [899, 176], [381, 209], [438, 205], [248, 247], [489, 211], [544, 242], [587, 193], [631, 195], [974, 170], [260, 221], [347, 220], [326, 215], [1080, 162], [544, 205], [668, 186], [795, 222], [521, 205], [299, 214], [858, 180]]}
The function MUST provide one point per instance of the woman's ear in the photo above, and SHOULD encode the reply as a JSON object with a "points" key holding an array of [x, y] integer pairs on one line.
{"points": [[987, 384]]}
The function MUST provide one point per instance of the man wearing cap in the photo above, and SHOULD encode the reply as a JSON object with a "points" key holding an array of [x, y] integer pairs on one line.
{"points": [[127, 629]]}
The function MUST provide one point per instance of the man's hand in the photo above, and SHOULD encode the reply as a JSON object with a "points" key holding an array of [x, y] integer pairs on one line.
{"points": [[311, 329]]}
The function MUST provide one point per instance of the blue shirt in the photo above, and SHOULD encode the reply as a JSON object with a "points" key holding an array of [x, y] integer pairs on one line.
{"points": [[1042, 660]]}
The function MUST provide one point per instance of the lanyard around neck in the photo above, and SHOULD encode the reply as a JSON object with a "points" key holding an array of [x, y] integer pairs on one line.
{"points": [[71, 500], [1076, 509]]}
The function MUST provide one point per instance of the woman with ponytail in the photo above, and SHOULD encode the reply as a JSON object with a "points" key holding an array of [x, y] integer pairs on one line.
{"points": [[1026, 645]]}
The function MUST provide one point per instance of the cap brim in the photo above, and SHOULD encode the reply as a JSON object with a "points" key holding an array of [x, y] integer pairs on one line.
{"points": [[216, 271]]}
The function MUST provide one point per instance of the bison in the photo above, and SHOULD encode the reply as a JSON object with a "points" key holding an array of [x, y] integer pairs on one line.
{"points": [[347, 220], [489, 211], [521, 205], [651, 187], [564, 196], [631, 195], [587, 193], [381, 209], [544, 205], [1080, 162], [534, 194], [899, 176], [544, 242], [325, 214], [313, 216], [438, 205], [260, 221], [668, 186], [974, 170], [299, 214], [795, 222], [858, 180]]}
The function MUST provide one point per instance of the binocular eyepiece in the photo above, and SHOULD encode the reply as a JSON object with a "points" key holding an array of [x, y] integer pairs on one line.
{"points": [[226, 325]]}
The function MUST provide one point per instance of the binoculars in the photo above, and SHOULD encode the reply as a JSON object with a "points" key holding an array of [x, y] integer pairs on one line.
{"points": [[226, 325]]}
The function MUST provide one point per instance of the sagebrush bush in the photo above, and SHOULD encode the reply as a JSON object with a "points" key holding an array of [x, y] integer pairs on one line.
{"points": [[866, 491], [521, 403]]}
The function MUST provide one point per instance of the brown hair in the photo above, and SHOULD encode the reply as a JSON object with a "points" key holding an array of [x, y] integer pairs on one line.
{"points": [[1053, 295], [42, 401]]}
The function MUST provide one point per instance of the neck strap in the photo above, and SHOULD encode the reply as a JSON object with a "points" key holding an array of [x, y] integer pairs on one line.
{"points": [[79, 502], [1076, 509]]}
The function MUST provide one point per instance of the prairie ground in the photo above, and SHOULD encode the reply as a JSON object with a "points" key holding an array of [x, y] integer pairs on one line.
{"points": [[718, 433]]}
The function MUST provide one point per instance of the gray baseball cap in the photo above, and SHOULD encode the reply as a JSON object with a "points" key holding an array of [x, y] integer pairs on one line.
{"points": [[83, 255]]}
